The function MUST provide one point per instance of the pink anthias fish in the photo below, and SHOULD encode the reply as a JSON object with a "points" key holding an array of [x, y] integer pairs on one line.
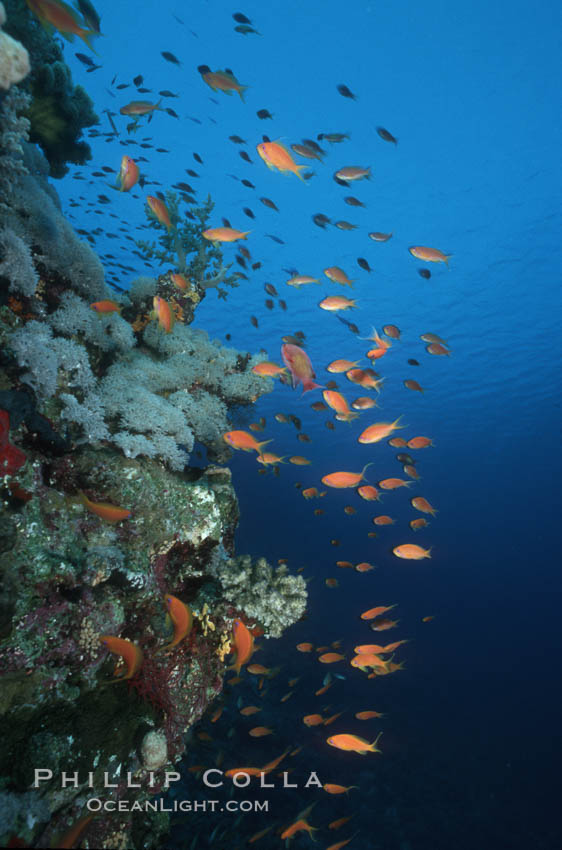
{"points": [[298, 363]]}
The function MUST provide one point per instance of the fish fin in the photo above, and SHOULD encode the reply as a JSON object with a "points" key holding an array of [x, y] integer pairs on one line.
{"points": [[447, 258], [241, 91]]}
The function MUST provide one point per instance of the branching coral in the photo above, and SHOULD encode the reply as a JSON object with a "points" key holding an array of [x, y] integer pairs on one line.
{"points": [[14, 130], [184, 247]]}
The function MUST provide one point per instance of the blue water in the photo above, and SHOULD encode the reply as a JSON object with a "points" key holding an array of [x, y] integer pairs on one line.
{"points": [[471, 745]]}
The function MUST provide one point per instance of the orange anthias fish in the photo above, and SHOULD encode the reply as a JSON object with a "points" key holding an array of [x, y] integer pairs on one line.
{"points": [[339, 844], [376, 612], [128, 174], [140, 107], [244, 441], [411, 552], [277, 156], [224, 234], [339, 366], [71, 836], [55, 13], [429, 255], [394, 483], [179, 280], [129, 652], [331, 788], [160, 210], [354, 744], [338, 402], [313, 493], [419, 443], [421, 504], [300, 824], [377, 432], [224, 81], [298, 363], [313, 720], [340, 480], [369, 493], [260, 731], [333, 303], [104, 307], [363, 403], [107, 512], [337, 275], [331, 657], [243, 644], [164, 313], [181, 617], [268, 370], [368, 715], [364, 660], [336, 824]]}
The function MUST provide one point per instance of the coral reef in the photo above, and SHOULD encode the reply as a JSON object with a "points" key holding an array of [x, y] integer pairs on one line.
{"points": [[58, 111], [274, 598], [14, 58]]}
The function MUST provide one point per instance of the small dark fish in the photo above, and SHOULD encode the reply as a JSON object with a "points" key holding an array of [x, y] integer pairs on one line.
{"points": [[304, 438], [248, 183], [413, 362], [269, 303], [270, 289], [244, 251], [353, 202], [310, 143], [340, 182], [166, 93], [240, 18], [191, 172], [94, 174], [122, 86], [197, 158], [195, 120], [228, 337], [319, 405], [386, 136], [291, 272], [85, 60], [265, 139], [91, 17], [331, 385], [254, 321], [171, 112], [330, 426], [246, 29], [241, 261], [404, 458], [282, 304], [143, 90], [245, 156], [320, 219], [264, 113], [203, 69], [425, 273], [352, 327], [238, 140], [138, 80], [364, 264], [275, 238], [169, 57], [247, 211], [103, 199], [345, 225], [162, 150], [256, 266], [184, 187], [308, 175], [108, 169], [225, 222], [333, 138], [269, 203], [296, 421], [346, 92]]}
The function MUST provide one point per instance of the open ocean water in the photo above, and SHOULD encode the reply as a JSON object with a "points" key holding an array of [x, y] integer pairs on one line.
{"points": [[470, 751]]}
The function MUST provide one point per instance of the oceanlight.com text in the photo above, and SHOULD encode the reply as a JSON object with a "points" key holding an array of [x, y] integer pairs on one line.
{"points": [[96, 805]]}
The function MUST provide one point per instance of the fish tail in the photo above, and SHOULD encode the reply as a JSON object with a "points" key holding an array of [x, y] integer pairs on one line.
{"points": [[365, 468], [446, 259], [86, 36], [308, 384], [298, 172], [245, 234], [375, 742], [241, 91], [262, 444]]}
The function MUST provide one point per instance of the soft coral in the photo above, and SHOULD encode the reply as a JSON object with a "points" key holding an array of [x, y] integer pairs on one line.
{"points": [[11, 458]]}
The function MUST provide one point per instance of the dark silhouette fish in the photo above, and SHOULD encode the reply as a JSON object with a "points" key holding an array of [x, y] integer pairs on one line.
{"points": [[248, 183], [245, 156], [240, 18], [166, 93], [386, 135], [346, 92], [425, 273], [238, 140], [364, 264], [247, 211], [264, 113], [267, 202], [86, 60], [275, 238], [138, 80], [169, 57], [171, 112]]}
